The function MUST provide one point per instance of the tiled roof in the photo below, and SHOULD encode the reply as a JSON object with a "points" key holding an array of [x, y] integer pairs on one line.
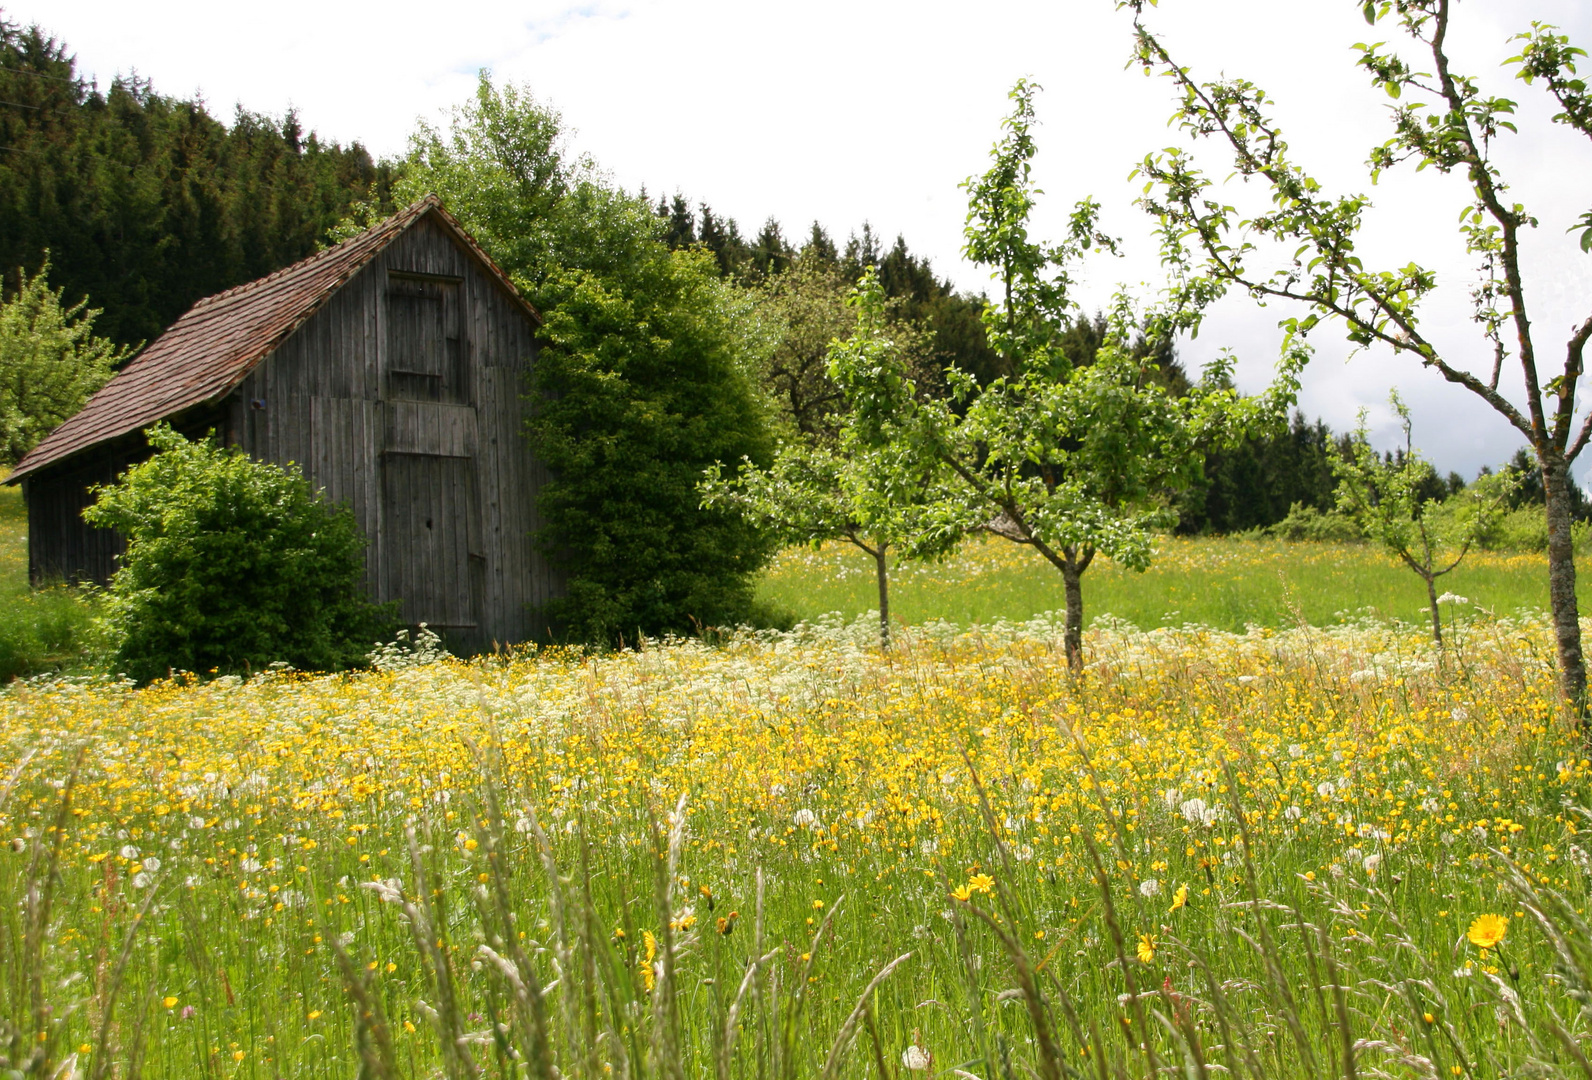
{"points": [[210, 350]]}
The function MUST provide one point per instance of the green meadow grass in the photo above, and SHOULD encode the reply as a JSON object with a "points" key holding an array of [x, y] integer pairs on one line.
{"points": [[40, 630], [1226, 583]]}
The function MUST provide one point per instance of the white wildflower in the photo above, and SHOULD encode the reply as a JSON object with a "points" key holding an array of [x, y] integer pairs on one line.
{"points": [[128, 852], [1370, 863], [1293, 813], [1149, 887], [915, 1058], [805, 819], [152, 864]]}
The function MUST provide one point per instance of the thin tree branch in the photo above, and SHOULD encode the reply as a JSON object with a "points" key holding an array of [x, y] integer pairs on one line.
{"points": [[1574, 356]]}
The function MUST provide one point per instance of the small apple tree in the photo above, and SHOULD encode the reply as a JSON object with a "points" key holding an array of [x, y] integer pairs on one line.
{"points": [[1073, 461], [1386, 497]]}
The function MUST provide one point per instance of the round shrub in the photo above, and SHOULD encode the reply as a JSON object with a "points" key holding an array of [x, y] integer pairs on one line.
{"points": [[232, 565]]}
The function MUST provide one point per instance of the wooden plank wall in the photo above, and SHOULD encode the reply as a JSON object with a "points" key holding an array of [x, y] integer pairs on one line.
{"points": [[322, 400], [61, 546]]}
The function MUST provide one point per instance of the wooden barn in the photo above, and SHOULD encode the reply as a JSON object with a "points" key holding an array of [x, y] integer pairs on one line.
{"points": [[391, 368]]}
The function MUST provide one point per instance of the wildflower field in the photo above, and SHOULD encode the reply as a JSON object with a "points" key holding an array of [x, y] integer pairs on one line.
{"points": [[1301, 853]]}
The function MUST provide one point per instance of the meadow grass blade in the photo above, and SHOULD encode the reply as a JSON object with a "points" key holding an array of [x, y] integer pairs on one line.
{"points": [[837, 1049]]}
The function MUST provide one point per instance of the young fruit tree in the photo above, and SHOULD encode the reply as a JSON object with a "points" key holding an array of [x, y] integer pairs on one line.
{"points": [[51, 362], [1073, 461], [866, 492], [1302, 248], [1389, 498]]}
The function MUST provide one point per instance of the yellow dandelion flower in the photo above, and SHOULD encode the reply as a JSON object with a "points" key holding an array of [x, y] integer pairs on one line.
{"points": [[1487, 931], [649, 944], [981, 883], [1146, 949], [1179, 898]]}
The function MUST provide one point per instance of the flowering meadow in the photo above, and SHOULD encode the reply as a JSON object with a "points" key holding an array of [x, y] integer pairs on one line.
{"points": [[1302, 853]]}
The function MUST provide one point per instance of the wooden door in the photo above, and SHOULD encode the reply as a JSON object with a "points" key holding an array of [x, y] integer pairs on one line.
{"points": [[432, 552]]}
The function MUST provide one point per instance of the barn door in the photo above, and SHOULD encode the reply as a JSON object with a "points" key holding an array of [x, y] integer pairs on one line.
{"points": [[432, 548]]}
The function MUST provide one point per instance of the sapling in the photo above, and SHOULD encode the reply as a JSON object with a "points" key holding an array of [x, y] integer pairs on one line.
{"points": [[1389, 499]]}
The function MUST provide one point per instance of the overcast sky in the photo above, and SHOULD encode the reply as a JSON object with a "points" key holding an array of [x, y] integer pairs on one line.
{"points": [[851, 110]]}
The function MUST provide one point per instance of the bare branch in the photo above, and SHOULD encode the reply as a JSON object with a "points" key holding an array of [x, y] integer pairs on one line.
{"points": [[1574, 355]]}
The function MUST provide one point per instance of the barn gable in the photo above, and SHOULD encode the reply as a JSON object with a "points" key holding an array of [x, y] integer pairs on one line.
{"points": [[391, 368]]}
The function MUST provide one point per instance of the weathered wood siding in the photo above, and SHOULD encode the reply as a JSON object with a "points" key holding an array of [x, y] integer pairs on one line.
{"points": [[61, 546], [404, 398]]}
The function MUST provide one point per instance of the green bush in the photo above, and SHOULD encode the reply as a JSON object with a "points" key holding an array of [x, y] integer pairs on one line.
{"points": [[232, 565], [1308, 523], [1526, 529]]}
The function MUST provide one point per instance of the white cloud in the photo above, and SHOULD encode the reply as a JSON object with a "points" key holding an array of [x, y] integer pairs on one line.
{"points": [[844, 111]]}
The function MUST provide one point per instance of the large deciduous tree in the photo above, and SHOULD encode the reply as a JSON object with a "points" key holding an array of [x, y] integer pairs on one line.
{"points": [[647, 375], [1303, 247]]}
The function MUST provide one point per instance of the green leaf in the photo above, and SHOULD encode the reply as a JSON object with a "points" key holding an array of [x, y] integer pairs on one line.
{"points": [[1370, 12]]}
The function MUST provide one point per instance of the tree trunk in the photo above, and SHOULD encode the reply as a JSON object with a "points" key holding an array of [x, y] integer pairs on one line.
{"points": [[1561, 581], [1072, 576], [1437, 618], [882, 567]]}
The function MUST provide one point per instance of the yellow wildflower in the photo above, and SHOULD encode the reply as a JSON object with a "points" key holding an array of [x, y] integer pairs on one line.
{"points": [[1146, 949], [1487, 931]]}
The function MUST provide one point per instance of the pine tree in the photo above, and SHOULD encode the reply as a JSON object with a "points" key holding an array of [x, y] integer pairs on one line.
{"points": [[770, 253], [819, 245]]}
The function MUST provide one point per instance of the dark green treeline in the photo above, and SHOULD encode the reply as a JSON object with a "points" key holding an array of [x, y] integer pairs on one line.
{"points": [[147, 203]]}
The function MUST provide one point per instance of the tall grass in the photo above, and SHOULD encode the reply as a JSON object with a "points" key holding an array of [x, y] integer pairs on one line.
{"points": [[793, 856], [41, 630]]}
